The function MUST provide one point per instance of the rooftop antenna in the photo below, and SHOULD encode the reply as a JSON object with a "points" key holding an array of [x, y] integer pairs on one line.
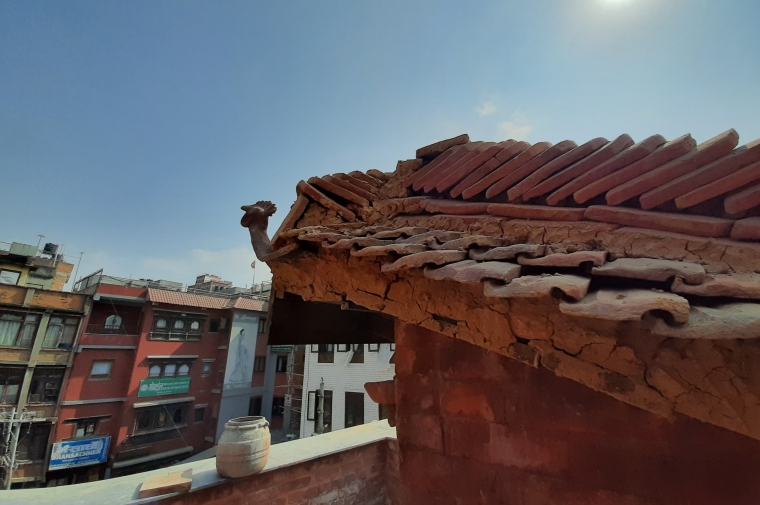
{"points": [[39, 241]]}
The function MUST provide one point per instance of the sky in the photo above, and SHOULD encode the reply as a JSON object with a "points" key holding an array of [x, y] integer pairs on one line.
{"points": [[133, 131]]}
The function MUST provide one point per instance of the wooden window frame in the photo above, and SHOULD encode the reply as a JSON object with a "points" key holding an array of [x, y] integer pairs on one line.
{"points": [[100, 377]]}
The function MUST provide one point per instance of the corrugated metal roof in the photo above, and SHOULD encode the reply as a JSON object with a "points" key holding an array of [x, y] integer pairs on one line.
{"points": [[208, 302]]}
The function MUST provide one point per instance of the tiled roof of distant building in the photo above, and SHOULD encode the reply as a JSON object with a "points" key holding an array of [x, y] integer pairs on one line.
{"points": [[204, 301]]}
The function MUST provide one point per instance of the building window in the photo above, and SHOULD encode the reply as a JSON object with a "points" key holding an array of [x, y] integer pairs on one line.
{"points": [[263, 325], [161, 417], [206, 370], [213, 326], [393, 346], [112, 324], [254, 406], [358, 356], [282, 364], [171, 326], [9, 277], [86, 427], [46, 384], [61, 332], [373, 347], [314, 410], [33, 446], [342, 347], [278, 406], [326, 353], [200, 414], [259, 364], [18, 330], [10, 383], [354, 409], [101, 370], [169, 368]]}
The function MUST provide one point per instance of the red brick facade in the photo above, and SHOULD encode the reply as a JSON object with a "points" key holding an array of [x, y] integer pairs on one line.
{"points": [[358, 476], [476, 427]]}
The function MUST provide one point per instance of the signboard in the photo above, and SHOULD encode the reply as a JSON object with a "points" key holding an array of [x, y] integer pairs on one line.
{"points": [[79, 453], [288, 400], [241, 351], [281, 348], [168, 386]]}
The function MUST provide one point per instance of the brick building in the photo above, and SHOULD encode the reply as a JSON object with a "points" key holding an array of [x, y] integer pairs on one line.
{"points": [[147, 379], [39, 326]]}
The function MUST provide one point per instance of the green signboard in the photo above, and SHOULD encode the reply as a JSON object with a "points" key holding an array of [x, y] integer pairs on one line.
{"points": [[159, 387], [282, 348]]}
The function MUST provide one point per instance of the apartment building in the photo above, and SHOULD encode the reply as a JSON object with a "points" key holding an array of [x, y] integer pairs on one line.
{"points": [[147, 381], [39, 327], [344, 369]]}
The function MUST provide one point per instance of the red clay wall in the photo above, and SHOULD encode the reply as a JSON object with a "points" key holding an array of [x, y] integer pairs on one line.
{"points": [[476, 427], [353, 477]]}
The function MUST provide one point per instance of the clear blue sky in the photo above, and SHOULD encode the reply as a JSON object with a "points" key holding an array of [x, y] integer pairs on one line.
{"points": [[134, 130]]}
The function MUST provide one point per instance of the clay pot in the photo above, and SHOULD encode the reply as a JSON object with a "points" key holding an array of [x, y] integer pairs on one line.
{"points": [[243, 448]]}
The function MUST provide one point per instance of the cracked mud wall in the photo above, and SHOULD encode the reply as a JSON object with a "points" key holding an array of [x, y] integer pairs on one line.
{"points": [[717, 382]]}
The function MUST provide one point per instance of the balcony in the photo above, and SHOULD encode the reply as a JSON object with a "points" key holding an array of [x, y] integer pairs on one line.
{"points": [[357, 465]]}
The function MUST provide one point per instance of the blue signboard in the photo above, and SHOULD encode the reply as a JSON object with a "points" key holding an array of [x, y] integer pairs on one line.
{"points": [[79, 453]]}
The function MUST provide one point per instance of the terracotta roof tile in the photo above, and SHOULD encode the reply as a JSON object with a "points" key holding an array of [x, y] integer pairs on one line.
{"points": [[205, 301]]}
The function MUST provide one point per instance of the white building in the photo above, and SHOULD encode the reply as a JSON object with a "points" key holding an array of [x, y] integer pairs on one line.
{"points": [[344, 368]]}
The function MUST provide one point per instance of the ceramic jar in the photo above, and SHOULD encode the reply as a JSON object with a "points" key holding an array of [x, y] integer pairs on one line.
{"points": [[243, 448]]}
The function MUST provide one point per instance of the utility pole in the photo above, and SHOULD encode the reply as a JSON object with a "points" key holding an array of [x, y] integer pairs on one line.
{"points": [[11, 435], [321, 407]]}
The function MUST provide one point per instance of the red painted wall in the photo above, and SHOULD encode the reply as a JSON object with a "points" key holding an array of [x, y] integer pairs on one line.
{"points": [[476, 427]]}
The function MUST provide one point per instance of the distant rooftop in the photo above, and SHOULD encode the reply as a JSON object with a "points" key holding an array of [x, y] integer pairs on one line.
{"points": [[257, 292]]}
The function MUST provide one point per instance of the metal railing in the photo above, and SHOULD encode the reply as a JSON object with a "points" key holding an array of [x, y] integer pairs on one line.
{"points": [[112, 329], [257, 292]]}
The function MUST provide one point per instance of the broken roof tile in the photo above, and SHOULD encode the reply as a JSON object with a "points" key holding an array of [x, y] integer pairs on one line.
{"points": [[437, 148], [661, 155], [454, 207], [732, 162], [627, 305], [419, 178], [440, 236], [508, 252], [574, 259], [350, 188], [406, 231], [729, 321], [652, 270], [369, 188], [424, 258], [383, 250], [307, 189], [705, 153], [442, 172], [330, 187], [470, 271], [366, 178], [536, 286], [701, 226], [377, 174], [733, 286], [319, 237], [470, 241], [349, 243], [295, 213], [525, 211]]}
